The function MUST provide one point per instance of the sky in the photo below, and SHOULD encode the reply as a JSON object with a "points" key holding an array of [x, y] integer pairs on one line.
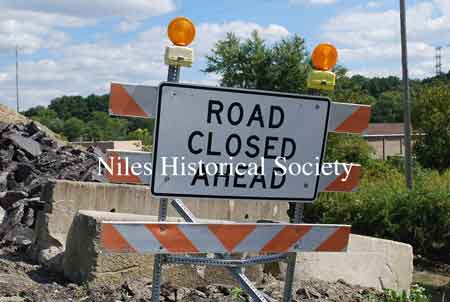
{"points": [[78, 47]]}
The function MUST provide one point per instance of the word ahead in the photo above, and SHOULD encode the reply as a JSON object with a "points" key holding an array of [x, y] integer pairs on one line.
{"points": [[248, 129], [173, 238]]}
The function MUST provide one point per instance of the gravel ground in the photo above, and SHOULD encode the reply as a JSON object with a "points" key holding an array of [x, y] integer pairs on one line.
{"points": [[21, 280]]}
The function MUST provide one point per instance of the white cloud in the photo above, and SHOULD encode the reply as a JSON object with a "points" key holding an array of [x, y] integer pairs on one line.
{"points": [[127, 25], [35, 30], [374, 4], [97, 8], [370, 39], [209, 33], [89, 67], [313, 2], [443, 6], [40, 24]]}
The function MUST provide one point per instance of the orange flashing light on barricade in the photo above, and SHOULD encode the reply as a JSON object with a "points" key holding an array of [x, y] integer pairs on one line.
{"points": [[324, 58], [181, 32]]}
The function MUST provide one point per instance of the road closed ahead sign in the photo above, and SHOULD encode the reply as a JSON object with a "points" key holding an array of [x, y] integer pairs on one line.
{"points": [[234, 143]]}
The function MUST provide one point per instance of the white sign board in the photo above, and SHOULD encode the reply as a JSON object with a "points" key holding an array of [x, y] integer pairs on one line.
{"points": [[234, 143]]}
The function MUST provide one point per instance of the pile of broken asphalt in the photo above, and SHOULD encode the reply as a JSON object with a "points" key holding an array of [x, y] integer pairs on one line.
{"points": [[29, 159]]}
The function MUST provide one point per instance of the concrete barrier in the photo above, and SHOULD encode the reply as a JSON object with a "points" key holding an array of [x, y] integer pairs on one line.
{"points": [[369, 262], [84, 262], [64, 198]]}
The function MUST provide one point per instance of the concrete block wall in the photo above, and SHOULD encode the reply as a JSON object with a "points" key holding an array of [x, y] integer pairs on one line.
{"points": [[64, 198], [84, 262], [369, 262]]}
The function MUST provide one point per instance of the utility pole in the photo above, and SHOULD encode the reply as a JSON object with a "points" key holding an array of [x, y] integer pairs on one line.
{"points": [[406, 97], [17, 78]]}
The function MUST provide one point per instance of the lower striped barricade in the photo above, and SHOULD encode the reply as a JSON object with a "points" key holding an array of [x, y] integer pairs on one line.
{"points": [[181, 238]]}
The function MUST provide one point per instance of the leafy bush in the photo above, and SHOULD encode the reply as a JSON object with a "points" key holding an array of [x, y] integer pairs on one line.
{"points": [[348, 148], [384, 208], [417, 294], [431, 111]]}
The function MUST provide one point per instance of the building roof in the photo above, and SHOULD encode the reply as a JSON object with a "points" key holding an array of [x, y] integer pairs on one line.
{"points": [[385, 129]]}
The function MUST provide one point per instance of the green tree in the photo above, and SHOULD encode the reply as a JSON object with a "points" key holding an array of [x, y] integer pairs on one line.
{"points": [[388, 108], [431, 118], [144, 136], [46, 117], [253, 64], [73, 128], [103, 127]]}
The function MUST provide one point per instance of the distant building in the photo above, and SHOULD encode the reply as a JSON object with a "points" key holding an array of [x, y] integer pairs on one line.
{"points": [[135, 145], [387, 139]]}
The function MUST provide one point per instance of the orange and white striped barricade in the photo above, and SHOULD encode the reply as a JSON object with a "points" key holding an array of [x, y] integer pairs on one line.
{"points": [[173, 239], [182, 238], [130, 100]]}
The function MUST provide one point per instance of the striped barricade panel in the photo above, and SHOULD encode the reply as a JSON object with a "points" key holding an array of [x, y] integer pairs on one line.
{"points": [[142, 101], [133, 100], [349, 118], [345, 180], [334, 177], [179, 238]]}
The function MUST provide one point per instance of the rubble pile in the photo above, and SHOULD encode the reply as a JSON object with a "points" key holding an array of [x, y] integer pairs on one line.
{"points": [[28, 159]]}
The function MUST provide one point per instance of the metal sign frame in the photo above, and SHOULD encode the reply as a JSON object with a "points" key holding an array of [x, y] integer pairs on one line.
{"points": [[132, 100], [325, 100]]}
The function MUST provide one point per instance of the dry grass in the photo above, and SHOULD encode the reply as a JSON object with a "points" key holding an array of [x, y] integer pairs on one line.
{"points": [[8, 115]]}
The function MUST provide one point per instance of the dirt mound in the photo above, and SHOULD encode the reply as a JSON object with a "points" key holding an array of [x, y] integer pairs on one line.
{"points": [[7, 115], [10, 116]]}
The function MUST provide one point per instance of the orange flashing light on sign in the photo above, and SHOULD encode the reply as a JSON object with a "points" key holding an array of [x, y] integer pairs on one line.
{"points": [[181, 31], [324, 57]]}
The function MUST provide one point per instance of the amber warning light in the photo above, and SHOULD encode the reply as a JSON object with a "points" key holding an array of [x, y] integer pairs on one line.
{"points": [[324, 57], [181, 31]]}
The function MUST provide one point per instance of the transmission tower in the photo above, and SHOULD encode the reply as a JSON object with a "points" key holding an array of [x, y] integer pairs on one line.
{"points": [[439, 60], [439, 52]]}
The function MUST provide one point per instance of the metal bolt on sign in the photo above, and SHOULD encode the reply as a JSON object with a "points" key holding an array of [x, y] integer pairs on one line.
{"points": [[170, 242]]}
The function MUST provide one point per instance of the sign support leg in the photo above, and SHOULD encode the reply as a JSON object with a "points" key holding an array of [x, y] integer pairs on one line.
{"points": [[290, 271], [157, 266], [173, 75], [237, 273]]}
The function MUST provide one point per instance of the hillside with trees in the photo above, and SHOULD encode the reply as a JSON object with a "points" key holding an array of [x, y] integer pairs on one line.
{"points": [[86, 118]]}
